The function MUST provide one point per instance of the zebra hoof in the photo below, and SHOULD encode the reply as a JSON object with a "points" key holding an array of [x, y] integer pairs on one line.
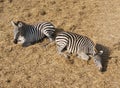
{"points": [[67, 56]]}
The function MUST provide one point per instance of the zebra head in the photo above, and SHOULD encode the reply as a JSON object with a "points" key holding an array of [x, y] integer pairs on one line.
{"points": [[18, 32], [97, 60]]}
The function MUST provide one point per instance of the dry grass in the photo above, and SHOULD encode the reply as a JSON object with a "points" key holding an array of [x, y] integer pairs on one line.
{"points": [[37, 67]]}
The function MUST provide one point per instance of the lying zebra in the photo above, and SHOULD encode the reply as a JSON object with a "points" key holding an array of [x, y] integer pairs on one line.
{"points": [[78, 44], [27, 34]]}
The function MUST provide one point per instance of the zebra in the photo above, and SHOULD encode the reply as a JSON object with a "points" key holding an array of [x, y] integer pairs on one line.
{"points": [[80, 45], [27, 34]]}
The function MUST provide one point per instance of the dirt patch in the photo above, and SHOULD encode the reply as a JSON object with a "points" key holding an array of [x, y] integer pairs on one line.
{"points": [[39, 67]]}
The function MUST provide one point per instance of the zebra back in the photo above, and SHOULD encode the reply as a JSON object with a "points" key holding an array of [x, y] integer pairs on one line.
{"points": [[76, 43]]}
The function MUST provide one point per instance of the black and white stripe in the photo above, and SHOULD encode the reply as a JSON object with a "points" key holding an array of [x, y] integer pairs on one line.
{"points": [[28, 34], [78, 44]]}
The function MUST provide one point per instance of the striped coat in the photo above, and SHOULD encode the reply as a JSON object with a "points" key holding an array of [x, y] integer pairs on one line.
{"points": [[28, 34], [78, 44]]}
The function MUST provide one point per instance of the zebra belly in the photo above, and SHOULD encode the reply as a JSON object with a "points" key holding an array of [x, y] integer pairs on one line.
{"points": [[32, 38], [86, 50], [72, 49]]}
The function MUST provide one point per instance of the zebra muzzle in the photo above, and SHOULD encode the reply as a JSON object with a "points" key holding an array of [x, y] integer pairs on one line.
{"points": [[15, 41]]}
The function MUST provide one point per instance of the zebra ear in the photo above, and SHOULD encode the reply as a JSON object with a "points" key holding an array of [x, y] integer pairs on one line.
{"points": [[13, 23], [20, 24]]}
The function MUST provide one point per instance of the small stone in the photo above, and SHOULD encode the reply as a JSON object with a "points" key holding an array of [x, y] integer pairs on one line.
{"points": [[74, 1], [1, 9], [8, 81], [83, 7], [62, 79], [53, 2], [1, 0], [29, 14], [73, 27], [81, 13], [42, 12], [10, 1], [28, 77], [58, 9], [0, 69]]}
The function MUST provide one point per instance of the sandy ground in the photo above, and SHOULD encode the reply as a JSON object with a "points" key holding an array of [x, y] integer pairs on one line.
{"points": [[39, 67]]}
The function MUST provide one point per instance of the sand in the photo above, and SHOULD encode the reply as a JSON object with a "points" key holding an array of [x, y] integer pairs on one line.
{"points": [[39, 67]]}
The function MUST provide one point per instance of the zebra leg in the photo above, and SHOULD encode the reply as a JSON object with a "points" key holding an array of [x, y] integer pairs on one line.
{"points": [[51, 38], [83, 56], [60, 51], [51, 41], [26, 44], [97, 61], [50, 35], [67, 56]]}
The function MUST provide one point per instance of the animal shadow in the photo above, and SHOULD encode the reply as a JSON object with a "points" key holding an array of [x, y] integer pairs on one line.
{"points": [[105, 56], [58, 30]]}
